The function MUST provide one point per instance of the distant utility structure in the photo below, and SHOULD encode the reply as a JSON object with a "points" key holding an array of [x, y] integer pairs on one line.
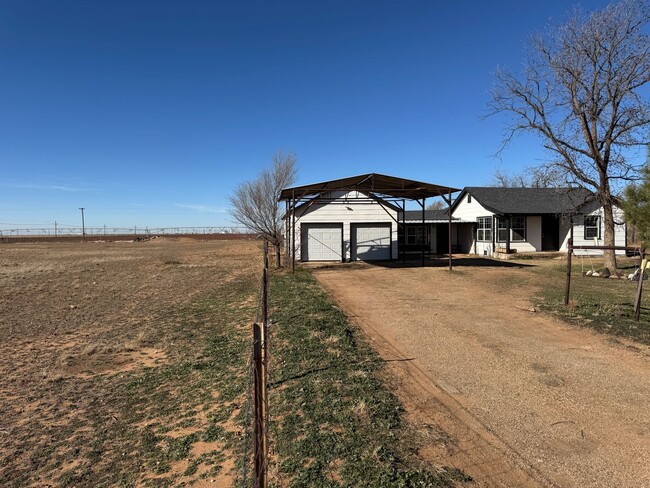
{"points": [[83, 224], [61, 230]]}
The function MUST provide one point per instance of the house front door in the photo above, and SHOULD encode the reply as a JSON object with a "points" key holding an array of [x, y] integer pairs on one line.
{"points": [[550, 233]]}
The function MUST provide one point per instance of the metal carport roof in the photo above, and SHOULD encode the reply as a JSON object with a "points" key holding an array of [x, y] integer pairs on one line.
{"points": [[376, 183]]}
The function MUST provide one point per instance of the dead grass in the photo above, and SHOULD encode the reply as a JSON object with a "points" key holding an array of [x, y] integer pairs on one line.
{"points": [[110, 357], [604, 305]]}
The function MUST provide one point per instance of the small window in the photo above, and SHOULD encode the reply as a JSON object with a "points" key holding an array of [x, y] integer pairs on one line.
{"points": [[414, 235], [484, 229], [469, 198], [592, 226]]}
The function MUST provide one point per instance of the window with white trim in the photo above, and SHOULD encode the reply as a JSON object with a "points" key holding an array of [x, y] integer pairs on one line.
{"points": [[484, 229], [414, 235], [592, 226], [517, 229]]}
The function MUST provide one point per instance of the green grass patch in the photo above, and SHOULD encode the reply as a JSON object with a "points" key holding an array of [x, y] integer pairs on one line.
{"points": [[334, 421], [605, 305]]}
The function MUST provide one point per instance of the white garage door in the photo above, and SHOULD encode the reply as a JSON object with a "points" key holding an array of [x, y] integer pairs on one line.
{"points": [[321, 242], [371, 242]]}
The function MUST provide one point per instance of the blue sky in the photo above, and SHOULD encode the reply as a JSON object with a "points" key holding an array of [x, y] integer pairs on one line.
{"points": [[150, 113]]}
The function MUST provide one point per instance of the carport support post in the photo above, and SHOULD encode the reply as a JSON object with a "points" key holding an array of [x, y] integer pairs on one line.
{"points": [[287, 230], [402, 247], [567, 290], [423, 239], [293, 231], [449, 211]]}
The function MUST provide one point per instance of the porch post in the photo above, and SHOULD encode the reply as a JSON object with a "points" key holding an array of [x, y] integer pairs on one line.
{"points": [[508, 226]]}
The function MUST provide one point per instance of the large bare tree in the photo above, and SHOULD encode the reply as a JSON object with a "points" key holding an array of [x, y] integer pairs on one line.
{"points": [[579, 92], [255, 203], [532, 177]]}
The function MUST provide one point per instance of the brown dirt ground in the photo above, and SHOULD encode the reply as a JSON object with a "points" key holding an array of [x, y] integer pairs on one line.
{"points": [[87, 314], [526, 400]]}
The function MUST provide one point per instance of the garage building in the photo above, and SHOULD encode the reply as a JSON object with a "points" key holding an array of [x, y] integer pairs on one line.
{"points": [[356, 218]]}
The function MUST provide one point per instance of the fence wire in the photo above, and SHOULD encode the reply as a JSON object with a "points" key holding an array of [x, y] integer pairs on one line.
{"points": [[248, 432]]}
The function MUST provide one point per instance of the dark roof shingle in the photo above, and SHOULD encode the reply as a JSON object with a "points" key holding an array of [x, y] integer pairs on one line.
{"points": [[530, 200], [428, 215]]}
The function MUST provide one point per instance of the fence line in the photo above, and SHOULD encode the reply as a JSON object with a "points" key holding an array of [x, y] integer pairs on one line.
{"points": [[256, 395], [57, 231]]}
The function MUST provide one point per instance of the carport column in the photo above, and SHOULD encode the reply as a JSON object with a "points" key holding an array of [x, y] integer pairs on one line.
{"points": [[287, 231], [449, 211], [423, 239], [403, 231], [293, 231]]}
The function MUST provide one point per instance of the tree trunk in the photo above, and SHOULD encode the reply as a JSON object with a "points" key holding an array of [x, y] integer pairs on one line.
{"points": [[608, 237], [278, 262]]}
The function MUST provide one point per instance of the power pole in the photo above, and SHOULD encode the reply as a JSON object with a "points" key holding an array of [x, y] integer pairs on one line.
{"points": [[83, 224], [55, 229]]}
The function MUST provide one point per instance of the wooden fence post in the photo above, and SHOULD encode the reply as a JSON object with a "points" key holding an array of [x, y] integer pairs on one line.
{"points": [[567, 290], [260, 378]]}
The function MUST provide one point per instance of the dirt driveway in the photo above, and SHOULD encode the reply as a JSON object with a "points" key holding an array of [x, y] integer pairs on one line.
{"points": [[525, 399]]}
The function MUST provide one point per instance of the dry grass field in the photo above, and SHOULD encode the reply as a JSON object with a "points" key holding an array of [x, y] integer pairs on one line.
{"points": [[105, 354], [125, 364]]}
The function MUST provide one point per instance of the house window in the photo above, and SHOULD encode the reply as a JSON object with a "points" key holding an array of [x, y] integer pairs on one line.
{"points": [[517, 229], [592, 226], [484, 229], [413, 235], [469, 198]]}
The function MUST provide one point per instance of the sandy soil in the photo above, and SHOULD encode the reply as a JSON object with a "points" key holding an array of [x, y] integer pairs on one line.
{"points": [[88, 314], [525, 399]]}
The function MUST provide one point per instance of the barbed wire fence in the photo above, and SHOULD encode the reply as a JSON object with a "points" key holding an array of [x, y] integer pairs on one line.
{"points": [[62, 230], [256, 394]]}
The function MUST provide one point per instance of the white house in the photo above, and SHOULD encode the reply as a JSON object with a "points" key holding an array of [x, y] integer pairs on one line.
{"points": [[365, 218], [531, 220]]}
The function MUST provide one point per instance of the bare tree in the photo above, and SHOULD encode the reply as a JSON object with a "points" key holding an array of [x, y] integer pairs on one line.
{"points": [[255, 204], [532, 177], [437, 205], [580, 93]]}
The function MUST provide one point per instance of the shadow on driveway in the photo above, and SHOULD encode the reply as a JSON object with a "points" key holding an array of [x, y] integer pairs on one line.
{"points": [[414, 261]]}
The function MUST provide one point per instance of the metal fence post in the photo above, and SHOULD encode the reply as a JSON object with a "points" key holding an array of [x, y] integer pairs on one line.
{"points": [[639, 290]]}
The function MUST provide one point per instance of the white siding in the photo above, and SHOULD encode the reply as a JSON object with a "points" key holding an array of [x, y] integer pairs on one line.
{"points": [[346, 209], [470, 211], [579, 233], [534, 232]]}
